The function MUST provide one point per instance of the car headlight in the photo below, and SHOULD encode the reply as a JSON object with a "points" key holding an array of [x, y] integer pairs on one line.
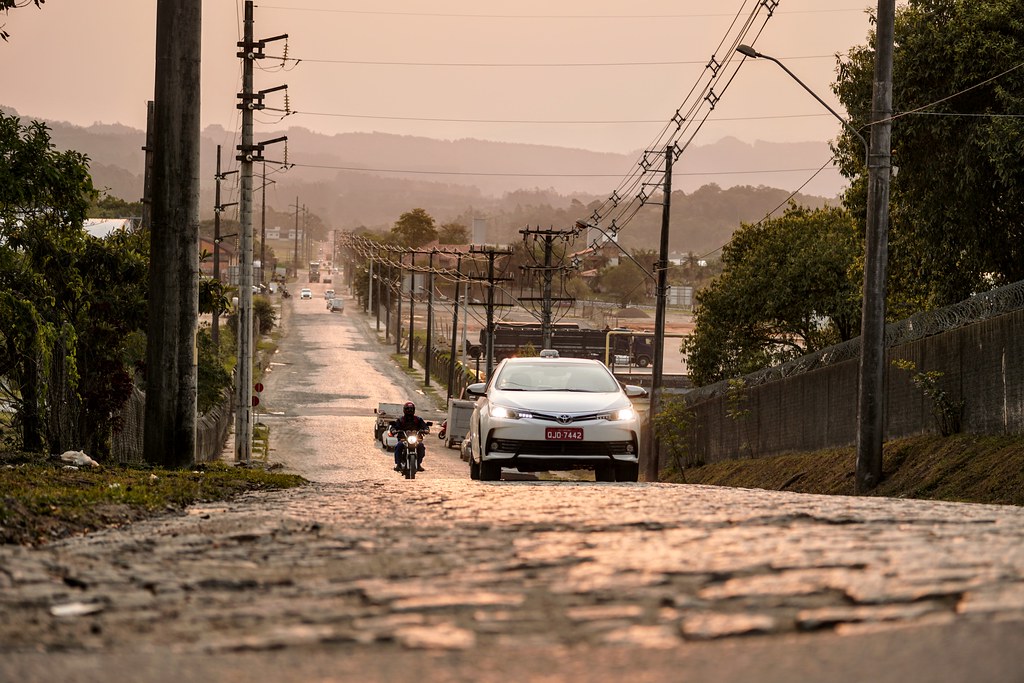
{"points": [[620, 414], [508, 413]]}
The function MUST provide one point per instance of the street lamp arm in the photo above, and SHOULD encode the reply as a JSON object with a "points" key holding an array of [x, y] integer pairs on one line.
{"points": [[748, 51]]}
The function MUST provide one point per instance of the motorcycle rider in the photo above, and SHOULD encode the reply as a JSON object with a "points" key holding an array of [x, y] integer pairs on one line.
{"points": [[409, 422]]}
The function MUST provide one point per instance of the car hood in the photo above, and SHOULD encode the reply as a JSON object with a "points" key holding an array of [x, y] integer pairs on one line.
{"points": [[555, 402]]}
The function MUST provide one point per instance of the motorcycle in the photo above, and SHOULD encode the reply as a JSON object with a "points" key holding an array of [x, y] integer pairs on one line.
{"points": [[410, 445]]}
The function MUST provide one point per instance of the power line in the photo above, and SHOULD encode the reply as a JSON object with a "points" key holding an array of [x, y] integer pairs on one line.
{"points": [[537, 121], [537, 175], [545, 65], [547, 16]]}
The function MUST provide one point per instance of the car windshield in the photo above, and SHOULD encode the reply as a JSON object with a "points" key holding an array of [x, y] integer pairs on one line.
{"points": [[554, 376]]}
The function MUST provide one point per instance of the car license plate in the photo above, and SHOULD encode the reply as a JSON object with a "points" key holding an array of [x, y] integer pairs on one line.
{"points": [[563, 433]]}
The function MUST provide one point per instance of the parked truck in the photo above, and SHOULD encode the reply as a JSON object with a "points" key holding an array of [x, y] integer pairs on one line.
{"points": [[570, 340], [314, 271]]}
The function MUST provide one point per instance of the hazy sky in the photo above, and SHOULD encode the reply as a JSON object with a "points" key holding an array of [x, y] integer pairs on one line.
{"points": [[548, 70]]}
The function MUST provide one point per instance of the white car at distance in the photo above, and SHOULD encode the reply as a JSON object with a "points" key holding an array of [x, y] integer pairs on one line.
{"points": [[306, 293], [549, 413]]}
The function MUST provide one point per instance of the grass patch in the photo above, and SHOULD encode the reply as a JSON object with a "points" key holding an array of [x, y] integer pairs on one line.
{"points": [[965, 468], [43, 501]]}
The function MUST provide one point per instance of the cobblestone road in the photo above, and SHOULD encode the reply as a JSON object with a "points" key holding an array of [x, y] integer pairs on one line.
{"points": [[444, 578]]}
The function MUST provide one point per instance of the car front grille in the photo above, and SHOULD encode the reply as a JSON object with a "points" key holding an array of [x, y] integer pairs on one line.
{"points": [[569, 448]]}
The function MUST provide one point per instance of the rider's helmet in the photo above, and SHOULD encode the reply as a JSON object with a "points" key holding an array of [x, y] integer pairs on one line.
{"points": [[409, 409]]}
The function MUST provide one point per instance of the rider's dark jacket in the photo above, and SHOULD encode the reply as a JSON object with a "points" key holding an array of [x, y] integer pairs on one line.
{"points": [[406, 423]]}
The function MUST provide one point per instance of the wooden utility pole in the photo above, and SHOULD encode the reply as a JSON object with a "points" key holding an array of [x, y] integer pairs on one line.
{"points": [[428, 354], [871, 394], [171, 376]]}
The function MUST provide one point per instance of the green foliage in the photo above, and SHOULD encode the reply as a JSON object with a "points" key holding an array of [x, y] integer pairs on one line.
{"points": [[957, 204], [214, 377], [788, 287], [453, 233], [947, 412], [527, 350], [673, 426], [264, 311], [42, 501], [108, 206], [414, 228], [627, 282]]}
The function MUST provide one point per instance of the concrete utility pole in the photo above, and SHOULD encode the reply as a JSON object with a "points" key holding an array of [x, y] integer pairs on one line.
{"points": [[147, 177], [295, 256], [455, 326], [243, 366], [427, 356], [250, 51], [218, 209], [651, 472], [171, 375], [398, 309], [871, 394], [412, 301]]}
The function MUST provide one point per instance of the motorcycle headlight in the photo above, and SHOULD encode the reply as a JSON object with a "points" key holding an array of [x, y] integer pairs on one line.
{"points": [[508, 413], [413, 438]]}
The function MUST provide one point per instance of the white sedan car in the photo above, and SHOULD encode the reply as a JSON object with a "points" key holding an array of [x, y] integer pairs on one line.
{"points": [[306, 293], [543, 414]]}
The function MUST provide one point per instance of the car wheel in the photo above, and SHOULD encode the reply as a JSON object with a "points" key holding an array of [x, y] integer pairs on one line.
{"points": [[643, 361], [627, 471], [490, 471], [474, 468], [604, 473]]}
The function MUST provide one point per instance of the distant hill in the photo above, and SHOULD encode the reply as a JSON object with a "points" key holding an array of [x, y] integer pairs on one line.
{"points": [[369, 179]]}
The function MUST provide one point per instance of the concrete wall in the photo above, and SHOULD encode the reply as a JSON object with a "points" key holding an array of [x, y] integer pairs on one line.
{"points": [[982, 364]]}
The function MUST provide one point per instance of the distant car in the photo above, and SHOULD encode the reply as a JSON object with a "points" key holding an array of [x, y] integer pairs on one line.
{"points": [[329, 294], [550, 413], [306, 293], [336, 305]]}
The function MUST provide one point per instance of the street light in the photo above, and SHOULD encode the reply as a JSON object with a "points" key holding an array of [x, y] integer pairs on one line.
{"points": [[748, 51], [871, 379]]}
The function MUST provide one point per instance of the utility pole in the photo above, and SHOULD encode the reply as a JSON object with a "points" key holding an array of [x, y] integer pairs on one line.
{"points": [[547, 300], [651, 472], [398, 310], [430, 321], [295, 256], [263, 228], [243, 366], [147, 177], [249, 152], [218, 209], [369, 290], [492, 279], [455, 326], [871, 394], [171, 375], [412, 301]]}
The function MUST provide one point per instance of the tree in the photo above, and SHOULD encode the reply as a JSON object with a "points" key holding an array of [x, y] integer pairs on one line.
{"points": [[44, 195], [7, 5], [627, 281], [957, 216], [414, 228], [789, 286], [453, 233]]}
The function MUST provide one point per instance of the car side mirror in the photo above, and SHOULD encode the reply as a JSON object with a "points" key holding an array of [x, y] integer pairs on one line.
{"points": [[477, 389], [634, 391]]}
